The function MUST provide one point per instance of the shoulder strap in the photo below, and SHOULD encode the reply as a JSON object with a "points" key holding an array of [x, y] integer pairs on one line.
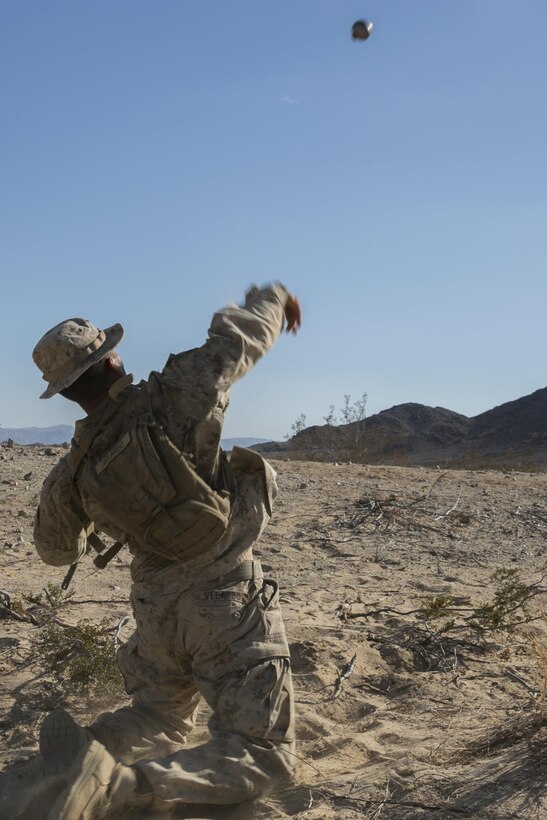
{"points": [[75, 459], [79, 449]]}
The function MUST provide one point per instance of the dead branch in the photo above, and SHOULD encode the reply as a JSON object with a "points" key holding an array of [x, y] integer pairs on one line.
{"points": [[406, 803], [377, 811], [427, 495], [452, 508], [345, 615], [344, 673], [308, 807], [532, 689], [9, 613]]}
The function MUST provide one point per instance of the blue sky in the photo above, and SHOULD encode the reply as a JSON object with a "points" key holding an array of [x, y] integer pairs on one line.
{"points": [[158, 157]]}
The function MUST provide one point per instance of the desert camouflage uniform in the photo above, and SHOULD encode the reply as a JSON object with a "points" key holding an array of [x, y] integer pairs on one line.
{"points": [[201, 632]]}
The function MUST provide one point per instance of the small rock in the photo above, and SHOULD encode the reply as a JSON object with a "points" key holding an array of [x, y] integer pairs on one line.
{"points": [[27, 476], [22, 514]]}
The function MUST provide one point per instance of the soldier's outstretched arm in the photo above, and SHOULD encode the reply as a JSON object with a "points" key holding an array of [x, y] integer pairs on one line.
{"points": [[238, 336], [241, 334]]}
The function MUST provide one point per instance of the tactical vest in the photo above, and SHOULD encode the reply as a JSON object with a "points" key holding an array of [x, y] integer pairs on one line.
{"points": [[144, 490]]}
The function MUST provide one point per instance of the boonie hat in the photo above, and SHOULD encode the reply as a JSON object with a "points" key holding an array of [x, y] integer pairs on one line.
{"points": [[69, 349]]}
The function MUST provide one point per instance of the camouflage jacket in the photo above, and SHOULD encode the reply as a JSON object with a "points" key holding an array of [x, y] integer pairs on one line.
{"points": [[189, 398]]}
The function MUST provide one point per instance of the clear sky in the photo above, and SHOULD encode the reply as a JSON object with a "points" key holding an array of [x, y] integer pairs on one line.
{"points": [[158, 157]]}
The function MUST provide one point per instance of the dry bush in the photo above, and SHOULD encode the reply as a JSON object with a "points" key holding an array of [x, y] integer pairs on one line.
{"points": [[342, 438], [81, 658]]}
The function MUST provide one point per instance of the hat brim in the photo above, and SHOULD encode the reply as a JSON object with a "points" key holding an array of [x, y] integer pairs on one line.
{"points": [[113, 336]]}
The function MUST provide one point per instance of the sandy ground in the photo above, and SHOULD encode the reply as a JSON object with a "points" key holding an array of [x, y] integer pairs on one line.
{"points": [[424, 724]]}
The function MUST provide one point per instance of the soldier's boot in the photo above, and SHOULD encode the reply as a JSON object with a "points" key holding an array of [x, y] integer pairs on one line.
{"points": [[61, 739], [97, 782], [35, 799]]}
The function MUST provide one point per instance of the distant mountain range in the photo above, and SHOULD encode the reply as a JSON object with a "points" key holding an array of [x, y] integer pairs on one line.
{"points": [[513, 435], [62, 433], [37, 435]]}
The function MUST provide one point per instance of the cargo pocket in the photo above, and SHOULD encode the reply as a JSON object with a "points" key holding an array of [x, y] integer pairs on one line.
{"points": [[262, 702], [267, 640], [256, 697]]}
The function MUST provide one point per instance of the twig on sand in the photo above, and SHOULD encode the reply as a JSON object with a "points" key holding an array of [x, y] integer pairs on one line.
{"points": [[308, 807], [7, 598], [344, 673], [11, 614], [426, 496], [353, 785], [376, 813], [532, 689], [477, 562], [343, 614], [452, 508], [8, 611], [447, 811]]}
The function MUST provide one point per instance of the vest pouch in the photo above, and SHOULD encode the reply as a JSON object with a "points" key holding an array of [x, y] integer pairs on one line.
{"points": [[185, 530], [127, 485], [143, 490]]}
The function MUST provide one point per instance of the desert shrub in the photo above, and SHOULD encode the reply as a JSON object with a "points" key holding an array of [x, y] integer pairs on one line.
{"points": [[81, 657], [508, 607], [348, 441], [342, 438], [507, 610], [439, 606], [52, 597], [298, 426]]}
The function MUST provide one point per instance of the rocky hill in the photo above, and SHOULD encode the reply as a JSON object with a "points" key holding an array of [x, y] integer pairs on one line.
{"points": [[513, 435]]}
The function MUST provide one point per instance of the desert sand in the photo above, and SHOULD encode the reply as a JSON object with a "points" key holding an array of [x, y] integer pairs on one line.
{"points": [[396, 719]]}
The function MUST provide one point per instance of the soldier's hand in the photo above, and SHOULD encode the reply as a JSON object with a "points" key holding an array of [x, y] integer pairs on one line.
{"points": [[293, 314]]}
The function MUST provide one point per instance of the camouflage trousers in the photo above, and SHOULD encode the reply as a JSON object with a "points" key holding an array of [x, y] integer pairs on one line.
{"points": [[223, 641]]}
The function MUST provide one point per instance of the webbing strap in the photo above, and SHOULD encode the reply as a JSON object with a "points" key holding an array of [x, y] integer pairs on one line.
{"points": [[75, 458], [243, 572]]}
